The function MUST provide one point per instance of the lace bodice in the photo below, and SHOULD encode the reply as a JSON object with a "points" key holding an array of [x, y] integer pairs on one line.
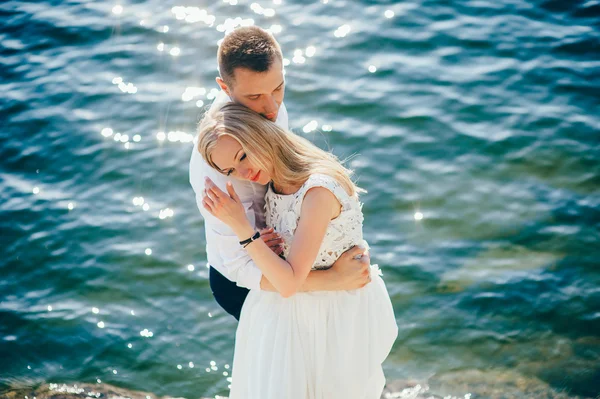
{"points": [[283, 213]]}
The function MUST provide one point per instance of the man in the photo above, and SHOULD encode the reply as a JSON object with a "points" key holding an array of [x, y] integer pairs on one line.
{"points": [[251, 74]]}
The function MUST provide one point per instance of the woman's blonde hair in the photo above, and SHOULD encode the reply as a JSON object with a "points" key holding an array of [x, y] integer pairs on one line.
{"points": [[293, 158]]}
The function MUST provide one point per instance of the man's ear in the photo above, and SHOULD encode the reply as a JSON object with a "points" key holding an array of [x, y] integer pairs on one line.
{"points": [[223, 85]]}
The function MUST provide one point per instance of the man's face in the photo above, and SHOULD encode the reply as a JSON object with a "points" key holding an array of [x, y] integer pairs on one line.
{"points": [[262, 92]]}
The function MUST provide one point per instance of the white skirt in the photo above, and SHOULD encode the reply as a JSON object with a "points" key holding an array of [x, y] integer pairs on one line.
{"points": [[318, 345]]}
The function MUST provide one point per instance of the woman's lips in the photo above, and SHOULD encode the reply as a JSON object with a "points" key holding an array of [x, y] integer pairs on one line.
{"points": [[255, 178]]}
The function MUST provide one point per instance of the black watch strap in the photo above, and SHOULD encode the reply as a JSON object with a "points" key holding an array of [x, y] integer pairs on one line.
{"points": [[245, 243]]}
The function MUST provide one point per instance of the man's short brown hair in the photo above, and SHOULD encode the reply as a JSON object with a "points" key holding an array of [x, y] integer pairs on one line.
{"points": [[248, 47]]}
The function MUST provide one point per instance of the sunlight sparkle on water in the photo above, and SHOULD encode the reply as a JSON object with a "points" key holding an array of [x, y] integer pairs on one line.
{"points": [[129, 346], [95, 310], [190, 268], [298, 57], [310, 51], [193, 14], [118, 9], [160, 46], [148, 251], [146, 207], [101, 324], [342, 31], [327, 128], [125, 87], [175, 51], [137, 138], [274, 29], [146, 333], [191, 365], [36, 190], [231, 23], [191, 92], [257, 8], [179, 136], [372, 68], [389, 14], [70, 206], [49, 308], [160, 136], [107, 132], [165, 213], [199, 103], [418, 216], [310, 127]]}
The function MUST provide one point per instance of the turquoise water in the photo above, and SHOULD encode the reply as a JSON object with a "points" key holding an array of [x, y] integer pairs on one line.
{"points": [[474, 125]]}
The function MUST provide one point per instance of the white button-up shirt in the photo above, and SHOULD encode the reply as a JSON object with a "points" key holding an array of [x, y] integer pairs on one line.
{"points": [[223, 250]]}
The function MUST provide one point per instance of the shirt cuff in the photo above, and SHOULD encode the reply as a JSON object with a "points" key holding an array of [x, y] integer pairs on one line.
{"points": [[249, 277]]}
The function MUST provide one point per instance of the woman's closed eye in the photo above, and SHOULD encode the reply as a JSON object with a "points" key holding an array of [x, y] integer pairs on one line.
{"points": [[230, 171]]}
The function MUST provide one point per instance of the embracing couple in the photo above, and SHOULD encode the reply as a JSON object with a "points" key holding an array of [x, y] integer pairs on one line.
{"points": [[284, 241]]}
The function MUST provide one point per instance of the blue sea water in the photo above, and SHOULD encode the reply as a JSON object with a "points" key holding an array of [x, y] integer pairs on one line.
{"points": [[473, 124]]}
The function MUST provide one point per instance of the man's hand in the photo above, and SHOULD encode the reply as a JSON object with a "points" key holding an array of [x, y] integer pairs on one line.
{"points": [[272, 239], [353, 268]]}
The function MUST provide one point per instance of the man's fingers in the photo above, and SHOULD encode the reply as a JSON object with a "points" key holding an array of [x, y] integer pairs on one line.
{"points": [[355, 251], [271, 237]]}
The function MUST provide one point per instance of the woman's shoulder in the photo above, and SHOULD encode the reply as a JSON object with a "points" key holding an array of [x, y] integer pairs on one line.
{"points": [[321, 180], [327, 182]]}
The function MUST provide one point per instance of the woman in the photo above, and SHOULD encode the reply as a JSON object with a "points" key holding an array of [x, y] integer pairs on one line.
{"points": [[297, 345]]}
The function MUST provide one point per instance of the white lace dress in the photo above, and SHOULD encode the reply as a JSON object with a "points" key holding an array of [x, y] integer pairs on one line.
{"points": [[318, 345]]}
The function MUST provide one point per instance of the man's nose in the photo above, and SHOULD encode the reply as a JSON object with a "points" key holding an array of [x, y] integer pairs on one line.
{"points": [[270, 105]]}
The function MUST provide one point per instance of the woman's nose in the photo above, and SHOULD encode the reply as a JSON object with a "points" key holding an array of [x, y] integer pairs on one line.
{"points": [[245, 173]]}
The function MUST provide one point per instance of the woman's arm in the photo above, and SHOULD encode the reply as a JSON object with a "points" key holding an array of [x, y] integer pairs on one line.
{"points": [[287, 276], [349, 272]]}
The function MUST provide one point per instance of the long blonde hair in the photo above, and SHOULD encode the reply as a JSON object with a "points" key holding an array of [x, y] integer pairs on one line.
{"points": [[293, 158]]}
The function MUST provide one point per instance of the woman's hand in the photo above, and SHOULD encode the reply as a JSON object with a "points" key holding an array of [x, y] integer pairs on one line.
{"points": [[227, 207]]}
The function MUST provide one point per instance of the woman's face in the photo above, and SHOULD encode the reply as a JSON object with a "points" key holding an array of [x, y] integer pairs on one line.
{"points": [[231, 160]]}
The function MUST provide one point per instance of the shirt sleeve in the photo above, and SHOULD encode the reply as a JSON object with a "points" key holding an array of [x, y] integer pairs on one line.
{"points": [[222, 245]]}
